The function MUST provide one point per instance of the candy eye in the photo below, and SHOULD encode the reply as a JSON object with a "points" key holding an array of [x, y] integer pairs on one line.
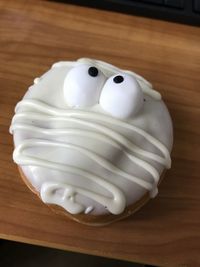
{"points": [[121, 96], [83, 85]]}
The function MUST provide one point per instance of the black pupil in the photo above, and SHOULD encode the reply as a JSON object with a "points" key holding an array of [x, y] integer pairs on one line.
{"points": [[118, 79], [92, 71]]}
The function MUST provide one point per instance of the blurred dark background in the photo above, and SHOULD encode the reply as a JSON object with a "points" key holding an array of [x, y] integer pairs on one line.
{"points": [[182, 11], [14, 254]]}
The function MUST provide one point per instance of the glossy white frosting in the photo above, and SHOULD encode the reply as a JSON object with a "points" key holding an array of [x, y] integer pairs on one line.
{"points": [[79, 156]]}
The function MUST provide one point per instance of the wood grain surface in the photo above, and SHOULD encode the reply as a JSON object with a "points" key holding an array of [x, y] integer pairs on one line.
{"points": [[33, 35]]}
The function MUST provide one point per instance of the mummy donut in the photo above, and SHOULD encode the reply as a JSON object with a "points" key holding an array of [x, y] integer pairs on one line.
{"points": [[92, 140]]}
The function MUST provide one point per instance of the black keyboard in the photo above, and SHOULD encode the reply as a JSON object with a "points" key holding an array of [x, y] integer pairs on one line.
{"points": [[183, 11]]}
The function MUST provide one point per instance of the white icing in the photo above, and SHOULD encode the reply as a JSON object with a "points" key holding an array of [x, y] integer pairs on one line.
{"points": [[114, 207], [71, 155], [66, 201], [81, 89], [70, 114], [88, 209], [123, 99], [82, 134], [36, 80]]}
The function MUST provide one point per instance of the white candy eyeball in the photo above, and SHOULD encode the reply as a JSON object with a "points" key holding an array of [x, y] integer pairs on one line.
{"points": [[121, 96], [83, 85]]}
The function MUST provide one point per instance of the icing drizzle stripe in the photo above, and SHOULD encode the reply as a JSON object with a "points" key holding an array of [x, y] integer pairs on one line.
{"points": [[55, 132], [117, 203], [113, 135], [72, 113], [93, 156]]}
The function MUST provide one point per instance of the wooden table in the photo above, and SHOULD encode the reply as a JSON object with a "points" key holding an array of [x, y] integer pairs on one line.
{"points": [[33, 35]]}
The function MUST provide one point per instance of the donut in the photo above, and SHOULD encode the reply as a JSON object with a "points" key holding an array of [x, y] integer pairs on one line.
{"points": [[93, 141]]}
